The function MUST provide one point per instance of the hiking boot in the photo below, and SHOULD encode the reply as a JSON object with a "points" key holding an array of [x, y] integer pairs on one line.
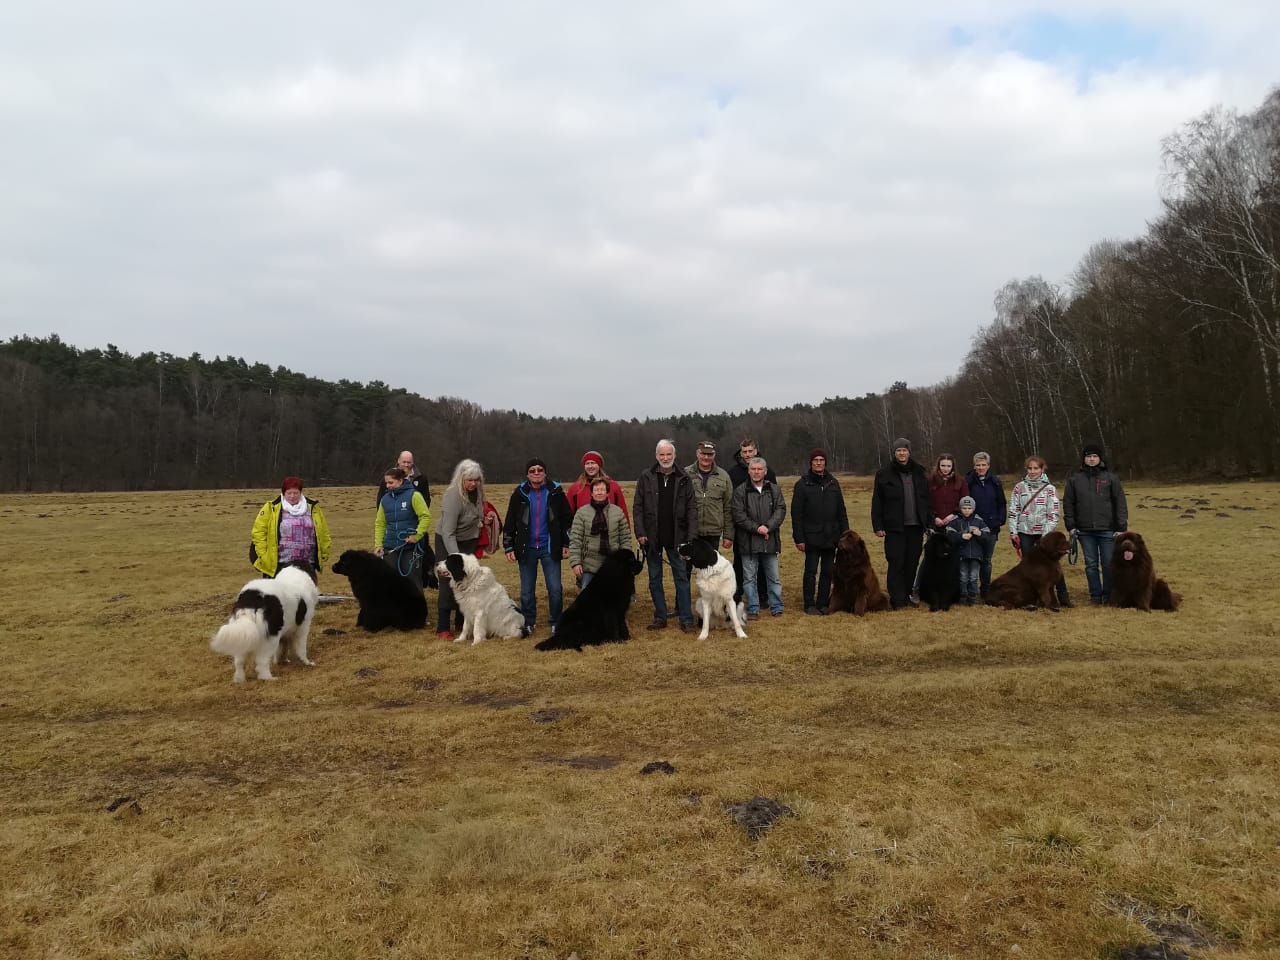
{"points": [[914, 600], [775, 613], [657, 625], [685, 627], [812, 611], [753, 616]]}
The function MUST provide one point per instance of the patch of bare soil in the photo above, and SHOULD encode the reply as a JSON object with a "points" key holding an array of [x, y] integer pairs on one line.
{"points": [[550, 715], [657, 766], [758, 815]]}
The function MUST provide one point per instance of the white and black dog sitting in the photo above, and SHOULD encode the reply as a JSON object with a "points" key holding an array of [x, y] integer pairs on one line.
{"points": [[713, 573], [487, 610], [266, 613]]}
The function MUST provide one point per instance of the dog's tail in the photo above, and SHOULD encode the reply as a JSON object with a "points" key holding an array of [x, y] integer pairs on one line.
{"points": [[240, 635]]}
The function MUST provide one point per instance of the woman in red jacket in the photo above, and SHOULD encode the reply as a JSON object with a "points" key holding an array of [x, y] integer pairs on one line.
{"points": [[579, 494]]}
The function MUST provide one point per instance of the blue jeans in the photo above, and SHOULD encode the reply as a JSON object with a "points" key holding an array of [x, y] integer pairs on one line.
{"points": [[1097, 547], [586, 578], [751, 591], [533, 557], [679, 573], [969, 577]]}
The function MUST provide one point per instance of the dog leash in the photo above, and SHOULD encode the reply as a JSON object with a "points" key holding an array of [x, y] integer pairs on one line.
{"points": [[1073, 550]]}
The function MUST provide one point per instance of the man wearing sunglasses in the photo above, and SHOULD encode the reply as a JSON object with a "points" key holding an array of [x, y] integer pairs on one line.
{"points": [[536, 534]]}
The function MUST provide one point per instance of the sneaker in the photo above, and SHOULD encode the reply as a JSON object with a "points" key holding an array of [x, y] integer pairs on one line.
{"points": [[775, 613], [812, 611], [685, 627], [444, 635], [914, 600], [753, 616], [657, 625]]}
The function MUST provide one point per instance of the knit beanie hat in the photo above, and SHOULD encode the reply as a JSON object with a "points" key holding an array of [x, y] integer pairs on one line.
{"points": [[291, 483], [1093, 449], [900, 443], [817, 452], [968, 502], [535, 462], [589, 455]]}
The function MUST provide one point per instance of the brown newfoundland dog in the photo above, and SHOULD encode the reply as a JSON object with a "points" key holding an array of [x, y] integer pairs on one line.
{"points": [[854, 586], [1133, 577], [1031, 583]]}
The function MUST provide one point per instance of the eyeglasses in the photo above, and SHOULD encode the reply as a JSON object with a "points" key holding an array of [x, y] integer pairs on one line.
{"points": [[537, 470]]}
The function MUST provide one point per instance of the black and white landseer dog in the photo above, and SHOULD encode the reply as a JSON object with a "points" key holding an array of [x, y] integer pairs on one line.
{"points": [[487, 610], [713, 573], [266, 613]]}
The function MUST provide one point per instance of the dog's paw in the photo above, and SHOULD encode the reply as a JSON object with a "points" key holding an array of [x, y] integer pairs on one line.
{"points": [[309, 663]]}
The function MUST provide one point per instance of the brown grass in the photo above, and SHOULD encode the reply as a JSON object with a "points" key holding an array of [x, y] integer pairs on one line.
{"points": [[964, 783]]}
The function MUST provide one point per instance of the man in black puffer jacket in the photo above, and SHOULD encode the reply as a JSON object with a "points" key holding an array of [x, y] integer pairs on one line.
{"points": [[818, 518], [1094, 507], [901, 511]]}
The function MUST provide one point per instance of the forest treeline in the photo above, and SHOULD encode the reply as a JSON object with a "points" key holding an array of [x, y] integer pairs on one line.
{"points": [[1164, 348]]}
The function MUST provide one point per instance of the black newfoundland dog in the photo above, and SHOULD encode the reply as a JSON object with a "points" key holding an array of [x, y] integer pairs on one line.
{"points": [[386, 599], [599, 613], [940, 579], [1133, 577]]}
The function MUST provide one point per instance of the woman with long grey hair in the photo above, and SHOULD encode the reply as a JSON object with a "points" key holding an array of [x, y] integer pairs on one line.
{"points": [[461, 514]]}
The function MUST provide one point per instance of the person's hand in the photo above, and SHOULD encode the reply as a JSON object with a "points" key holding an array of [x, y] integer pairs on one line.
{"points": [[763, 530], [411, 538], [1014, 539], [643, 541], [880, 534], [577, 570], [938, 521], [564, 553], [511, 555], [378, 551], [966, 536], [800, 547], [726, 543]]}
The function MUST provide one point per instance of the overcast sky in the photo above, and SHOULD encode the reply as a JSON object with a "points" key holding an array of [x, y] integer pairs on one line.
{"points": [[626, 209]]}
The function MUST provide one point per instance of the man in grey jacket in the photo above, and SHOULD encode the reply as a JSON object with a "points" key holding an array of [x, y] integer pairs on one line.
{"points": [[758, 511], [1095, 510]]}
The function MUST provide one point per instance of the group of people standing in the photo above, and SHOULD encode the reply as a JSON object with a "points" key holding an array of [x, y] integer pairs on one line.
{"points": [[741, 508], [908, 504]]}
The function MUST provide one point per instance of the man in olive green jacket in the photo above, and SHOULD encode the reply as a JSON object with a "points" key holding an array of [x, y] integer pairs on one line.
{"points": [[713, 489]]}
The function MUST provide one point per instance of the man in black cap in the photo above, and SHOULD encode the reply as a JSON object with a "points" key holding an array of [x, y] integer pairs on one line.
{"points": [[536, 534], [1095, 509], [901, 511], [713, 489]]}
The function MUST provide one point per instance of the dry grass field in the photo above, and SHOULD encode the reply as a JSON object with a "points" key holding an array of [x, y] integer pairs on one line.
{"points": [[977, 783]]}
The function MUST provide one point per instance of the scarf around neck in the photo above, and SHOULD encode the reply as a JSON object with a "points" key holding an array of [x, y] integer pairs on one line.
{"points": [[293, 509]]}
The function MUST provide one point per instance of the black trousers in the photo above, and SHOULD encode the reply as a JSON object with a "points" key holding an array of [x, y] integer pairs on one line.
{"points": [[817, 568], [902, 551]]}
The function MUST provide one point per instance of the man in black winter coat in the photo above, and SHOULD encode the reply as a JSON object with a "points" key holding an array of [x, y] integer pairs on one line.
{"points": [[818, 518], [901, 511]]}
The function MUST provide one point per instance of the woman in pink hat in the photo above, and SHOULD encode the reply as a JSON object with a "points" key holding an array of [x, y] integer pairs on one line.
{"points": [[579, 493]]}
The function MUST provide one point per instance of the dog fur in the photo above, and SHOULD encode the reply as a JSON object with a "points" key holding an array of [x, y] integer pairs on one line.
{"points": [[386, 599], [713, 573], [1031, 583], [266, 613], [599, 613], [1133, 577], [487, 609], [854, 586], [940, 581]]}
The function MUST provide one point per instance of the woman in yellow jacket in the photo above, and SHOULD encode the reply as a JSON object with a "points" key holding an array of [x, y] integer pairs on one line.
{"points": [[289, 529]]}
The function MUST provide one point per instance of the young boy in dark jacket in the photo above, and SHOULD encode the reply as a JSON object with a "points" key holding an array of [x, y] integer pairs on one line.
{"points": [[989, 503], [967, 534], [1094, 506]]}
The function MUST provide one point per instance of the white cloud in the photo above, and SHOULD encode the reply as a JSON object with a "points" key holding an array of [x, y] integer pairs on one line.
{"points": [[742, 203]]}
